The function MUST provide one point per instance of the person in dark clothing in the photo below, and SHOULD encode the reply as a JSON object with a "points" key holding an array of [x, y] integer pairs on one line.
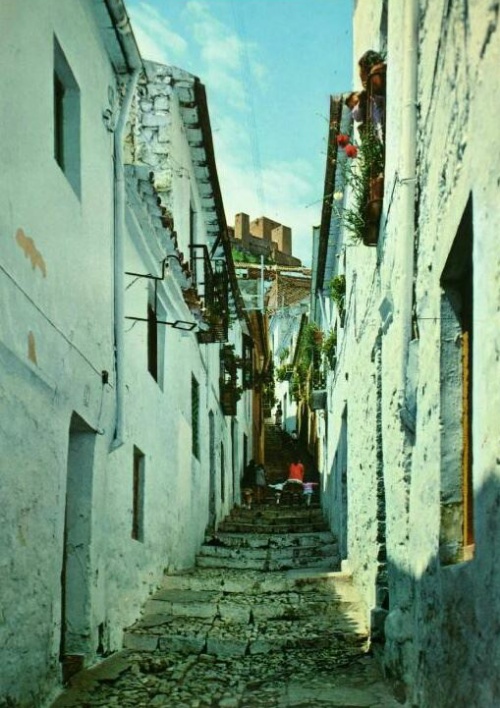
{"points": [[260, 483], [248, 484]]}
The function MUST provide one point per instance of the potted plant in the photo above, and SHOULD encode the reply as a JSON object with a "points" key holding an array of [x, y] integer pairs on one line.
{"points": [[330, 348], [337, 292], [364, 175]]}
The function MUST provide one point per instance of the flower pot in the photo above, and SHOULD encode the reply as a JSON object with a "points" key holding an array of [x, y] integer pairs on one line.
{"points": [[373, 211], [376, 191], [370, 235]]}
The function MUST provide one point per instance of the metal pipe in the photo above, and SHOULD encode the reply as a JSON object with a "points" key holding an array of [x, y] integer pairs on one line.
{"points": [[408, 175], [119, 268]]}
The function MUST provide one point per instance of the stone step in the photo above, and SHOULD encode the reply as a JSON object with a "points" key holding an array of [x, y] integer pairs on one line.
{"points": [[336, 584], [317, 559], [223, 639], [279, 540], [278, 511], [271, 528], [249, 613], [241, 608]]}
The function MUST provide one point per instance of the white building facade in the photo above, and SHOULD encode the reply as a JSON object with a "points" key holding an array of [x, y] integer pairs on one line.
{"points": [[414, 405], [117, 453]]}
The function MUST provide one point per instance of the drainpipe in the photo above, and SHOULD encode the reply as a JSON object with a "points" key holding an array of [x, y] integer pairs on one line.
{"points": [[408, 177], [119, 268]]}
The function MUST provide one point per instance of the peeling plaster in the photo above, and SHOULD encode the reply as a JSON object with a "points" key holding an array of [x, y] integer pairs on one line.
{"points": [[27, 244]]}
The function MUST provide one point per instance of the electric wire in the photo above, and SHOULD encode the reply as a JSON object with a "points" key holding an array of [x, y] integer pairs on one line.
{"points": [[247, 80]]}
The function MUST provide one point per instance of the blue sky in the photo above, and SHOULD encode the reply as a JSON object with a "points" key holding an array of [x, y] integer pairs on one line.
{"points": [[269, 67]]}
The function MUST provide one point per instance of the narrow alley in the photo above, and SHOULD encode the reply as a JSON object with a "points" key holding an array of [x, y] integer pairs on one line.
{"points": [[249, 354], [264, 619]]}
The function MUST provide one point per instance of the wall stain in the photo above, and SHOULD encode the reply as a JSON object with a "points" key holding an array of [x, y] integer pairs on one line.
{"points": [[31, 251], [32, 348], [492, 26]]}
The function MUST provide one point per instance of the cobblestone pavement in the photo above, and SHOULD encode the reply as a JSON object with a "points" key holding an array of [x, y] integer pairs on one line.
{"points": [[261, 621], [342, 675], [316, 653]]}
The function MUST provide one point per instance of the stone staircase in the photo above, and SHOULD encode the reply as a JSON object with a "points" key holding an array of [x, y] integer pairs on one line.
{"points": [[266, 582], [263, 619], [278, 451], [270, 538]]}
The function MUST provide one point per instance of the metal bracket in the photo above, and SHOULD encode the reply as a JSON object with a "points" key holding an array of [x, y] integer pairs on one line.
{"points": [[176, 324]]}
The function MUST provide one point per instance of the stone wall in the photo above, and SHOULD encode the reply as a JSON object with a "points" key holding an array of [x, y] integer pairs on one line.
{"points": [[265, 237], [440, 646], [81, 549], [56, 277]]}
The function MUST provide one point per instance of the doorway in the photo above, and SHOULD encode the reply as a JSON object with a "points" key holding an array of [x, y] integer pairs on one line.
{"points": [[75, 641], [212, 497], [342, 474]]}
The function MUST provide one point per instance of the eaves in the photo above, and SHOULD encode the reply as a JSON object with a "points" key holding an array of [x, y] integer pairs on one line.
{"points": [[117, 35], [329, 187]]}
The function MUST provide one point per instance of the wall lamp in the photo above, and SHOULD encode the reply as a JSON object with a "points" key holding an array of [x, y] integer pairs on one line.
{"points": [[177, 324]]}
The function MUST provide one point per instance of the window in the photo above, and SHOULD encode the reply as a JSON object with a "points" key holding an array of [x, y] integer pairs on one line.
{"points": [[247, 370], [66, 119], [138, 496], [152, 342], [222, 473], [195, 417], [457, 532], [192, 242]]}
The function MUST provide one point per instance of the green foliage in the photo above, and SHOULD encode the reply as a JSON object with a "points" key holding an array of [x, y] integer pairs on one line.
{"points": [[269, 387], [330, 347], [284, 354], [242, 256], [337, 291], [283, 372], [358, 172]]}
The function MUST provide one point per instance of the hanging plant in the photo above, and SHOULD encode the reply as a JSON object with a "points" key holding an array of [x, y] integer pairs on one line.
{"points": [[363, 174], [330, 348], [337, 291]]}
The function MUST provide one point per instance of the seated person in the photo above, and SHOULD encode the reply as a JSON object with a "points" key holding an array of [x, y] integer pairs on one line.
{"points": [[356, 102], [370, 60]]}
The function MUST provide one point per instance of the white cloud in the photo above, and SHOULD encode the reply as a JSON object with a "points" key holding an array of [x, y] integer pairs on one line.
{"points": [[225, 57], [233, 73], [289, 187], [155, 38]]}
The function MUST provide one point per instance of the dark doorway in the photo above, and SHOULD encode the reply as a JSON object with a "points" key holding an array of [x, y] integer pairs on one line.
{"points": [[76, 568], [212, 505]]}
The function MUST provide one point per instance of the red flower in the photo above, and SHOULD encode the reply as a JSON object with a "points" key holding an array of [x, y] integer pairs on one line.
{"points": [[342, 140], [351, 150]]}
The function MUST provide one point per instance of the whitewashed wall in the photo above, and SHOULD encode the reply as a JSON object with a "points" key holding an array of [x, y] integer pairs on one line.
{"points": [[56, 334], [441, 643], [56, 339], [159, 140]]}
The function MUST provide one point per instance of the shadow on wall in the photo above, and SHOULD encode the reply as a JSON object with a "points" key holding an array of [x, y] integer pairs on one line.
{"points": [[443, 648]]}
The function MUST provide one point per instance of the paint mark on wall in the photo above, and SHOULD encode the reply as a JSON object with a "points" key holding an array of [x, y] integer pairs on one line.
{"points": [[31, 251], [32, 348]]}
